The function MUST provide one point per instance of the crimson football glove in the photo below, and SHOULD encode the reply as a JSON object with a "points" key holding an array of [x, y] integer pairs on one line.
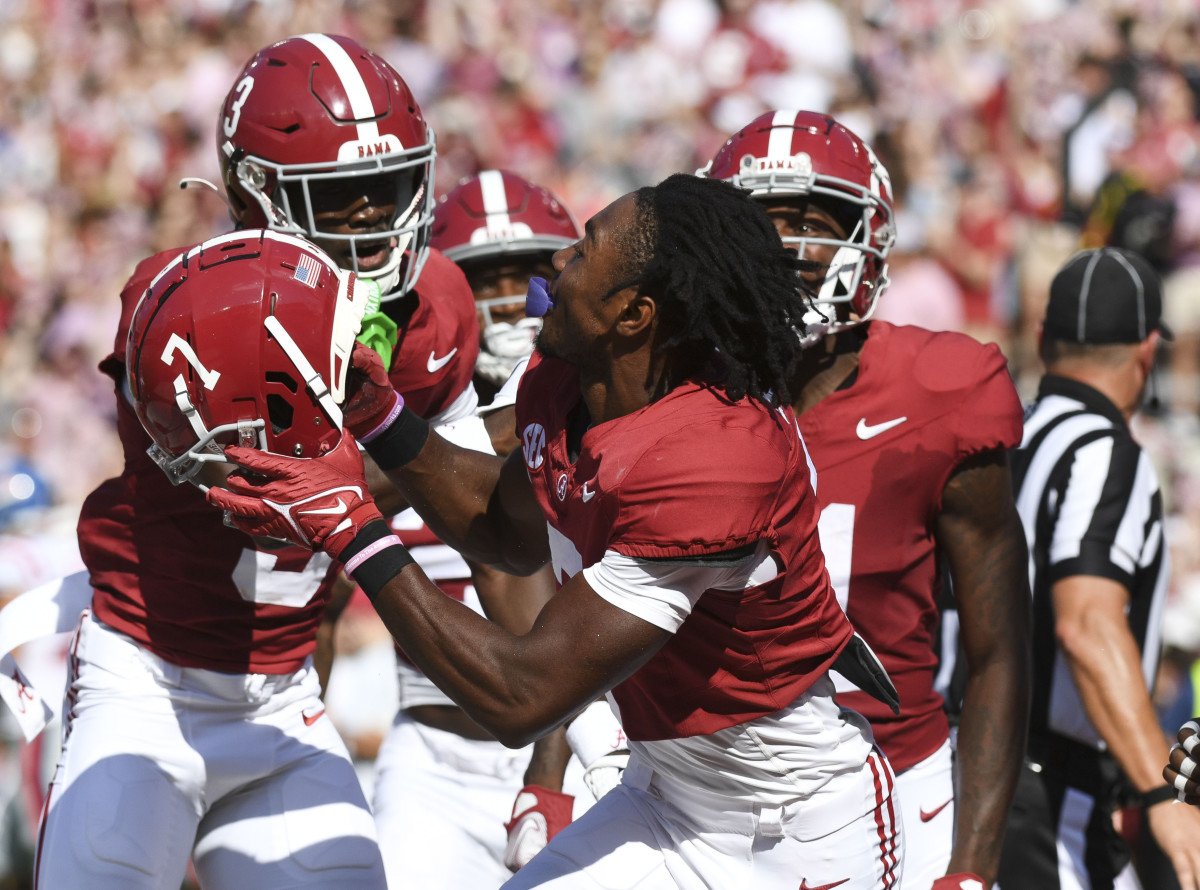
{"points": [[372, 404], [538, 814], [320, 503], [961, 881]]}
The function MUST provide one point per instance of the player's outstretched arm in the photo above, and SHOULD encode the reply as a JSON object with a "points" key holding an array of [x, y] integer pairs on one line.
{"points": [[1182, 771], [981, 534], [518, 687]]}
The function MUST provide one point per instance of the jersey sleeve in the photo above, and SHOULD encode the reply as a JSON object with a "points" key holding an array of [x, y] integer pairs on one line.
{"points": [[438, 343], [988, 413], [1103, 527], [705, 487]]}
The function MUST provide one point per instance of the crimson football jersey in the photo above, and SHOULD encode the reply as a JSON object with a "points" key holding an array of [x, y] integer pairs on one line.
{"points": [[691, 476], [434, 360], [884, 448], [167, 571]]}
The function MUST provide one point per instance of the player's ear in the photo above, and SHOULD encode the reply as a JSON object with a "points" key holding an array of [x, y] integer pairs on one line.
{"points": [[638, 316]]}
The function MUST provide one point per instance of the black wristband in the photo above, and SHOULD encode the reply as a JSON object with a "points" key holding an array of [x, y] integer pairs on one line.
{"points": [[400, 442], [1157, 795], [375, 557]]}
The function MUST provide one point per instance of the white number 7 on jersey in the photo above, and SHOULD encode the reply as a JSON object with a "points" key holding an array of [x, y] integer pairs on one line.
{"points": [[208, 377]]}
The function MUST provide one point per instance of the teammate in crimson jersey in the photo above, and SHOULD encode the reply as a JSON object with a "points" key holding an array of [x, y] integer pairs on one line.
{"points": [[693, 583], [321, 138], [907, 430]]}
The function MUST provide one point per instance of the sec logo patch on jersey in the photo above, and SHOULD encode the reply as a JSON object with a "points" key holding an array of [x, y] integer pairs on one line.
{"points": [[533, 444]]}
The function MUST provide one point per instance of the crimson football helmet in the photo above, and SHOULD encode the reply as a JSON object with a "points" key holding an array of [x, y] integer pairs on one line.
{"points": [[316, 123], [785, 154], [243, 340], [488, 220]]}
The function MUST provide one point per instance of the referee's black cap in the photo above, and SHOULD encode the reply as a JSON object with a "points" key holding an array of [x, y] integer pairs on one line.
{"points": [[1105, 295]]}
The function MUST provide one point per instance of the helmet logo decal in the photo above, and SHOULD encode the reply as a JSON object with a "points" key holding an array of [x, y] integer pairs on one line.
{"points": [[369, 147], [235, 111], [800, 165], [533, 441], [308, 270], [500, 226], [209, 378], [501, 230]]}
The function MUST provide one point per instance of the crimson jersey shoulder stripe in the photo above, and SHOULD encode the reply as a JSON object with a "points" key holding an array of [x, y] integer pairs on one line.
{"points": [[435, 357], [884, 449], [685, 476]]}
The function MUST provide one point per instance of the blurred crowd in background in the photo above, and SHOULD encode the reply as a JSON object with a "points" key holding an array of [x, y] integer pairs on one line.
{"points": [[1015, 131]]}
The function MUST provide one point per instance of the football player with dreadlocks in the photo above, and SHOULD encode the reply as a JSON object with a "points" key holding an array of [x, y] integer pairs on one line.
{"points": [[444, 787], [655, 430]]}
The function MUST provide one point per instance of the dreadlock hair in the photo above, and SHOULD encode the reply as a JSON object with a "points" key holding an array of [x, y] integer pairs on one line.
{"points": [[727, 289]]}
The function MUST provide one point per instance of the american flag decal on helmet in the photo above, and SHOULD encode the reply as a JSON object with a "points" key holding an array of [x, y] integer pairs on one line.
{"points": [[308, 270]]}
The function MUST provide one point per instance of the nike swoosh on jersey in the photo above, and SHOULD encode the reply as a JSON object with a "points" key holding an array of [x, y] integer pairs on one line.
{"points": [[925, 817], [585, 494], [866, 431], [327, 511], [309, 721], [436, 364], [804, 885]]}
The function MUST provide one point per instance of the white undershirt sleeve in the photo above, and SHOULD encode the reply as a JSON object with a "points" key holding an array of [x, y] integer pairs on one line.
{"points": [[664, 593]]}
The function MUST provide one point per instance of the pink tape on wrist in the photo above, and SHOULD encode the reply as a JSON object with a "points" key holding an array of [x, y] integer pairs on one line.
{"points": [[367, 552], [397, 407]]}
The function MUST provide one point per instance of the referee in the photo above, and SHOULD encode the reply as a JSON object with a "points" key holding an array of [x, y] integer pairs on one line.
{"points": [[1090, 502]]}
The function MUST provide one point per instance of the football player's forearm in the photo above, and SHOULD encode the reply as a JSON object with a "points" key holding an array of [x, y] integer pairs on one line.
{"points": [[475, 662], [990, 751], [548, 761], [982, 536], [458, 492]]}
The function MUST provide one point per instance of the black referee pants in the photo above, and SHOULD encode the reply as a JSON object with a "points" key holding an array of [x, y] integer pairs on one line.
{"points": [[1045, 812]]}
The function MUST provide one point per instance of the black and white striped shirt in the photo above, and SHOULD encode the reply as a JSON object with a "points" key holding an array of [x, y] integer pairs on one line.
{"points": [[1090, 502]]}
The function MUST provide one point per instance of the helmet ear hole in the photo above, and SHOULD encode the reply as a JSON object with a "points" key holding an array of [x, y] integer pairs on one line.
{"points": [[280, 413], [285, 379]]}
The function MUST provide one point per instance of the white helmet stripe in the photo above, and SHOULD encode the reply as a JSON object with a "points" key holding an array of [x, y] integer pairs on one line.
{"points": [[783, 127], [352, 83], [495, 201]]}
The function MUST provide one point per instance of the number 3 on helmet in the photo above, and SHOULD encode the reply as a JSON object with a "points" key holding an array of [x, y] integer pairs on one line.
{"points": [[244, 339]]}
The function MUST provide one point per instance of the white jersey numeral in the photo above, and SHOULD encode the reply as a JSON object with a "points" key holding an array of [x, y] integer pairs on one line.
{"points": [[564, 555], [209, 378], [287, 579], [836, 528]]}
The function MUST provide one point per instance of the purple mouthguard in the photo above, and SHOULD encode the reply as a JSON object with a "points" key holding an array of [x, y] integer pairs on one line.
{"points": [[538, 300]]}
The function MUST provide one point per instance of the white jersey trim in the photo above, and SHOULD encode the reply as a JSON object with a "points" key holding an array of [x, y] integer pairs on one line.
{"points": [[664, 593]]}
